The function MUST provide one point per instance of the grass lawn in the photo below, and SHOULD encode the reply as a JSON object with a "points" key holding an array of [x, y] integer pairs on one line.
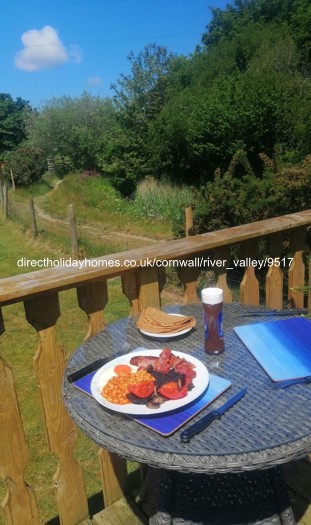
{"points": [[18, 345]]}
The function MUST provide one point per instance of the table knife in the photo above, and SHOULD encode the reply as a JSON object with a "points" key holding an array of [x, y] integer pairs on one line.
{"points": [[293, 311], [95, 365], [200, 425]]}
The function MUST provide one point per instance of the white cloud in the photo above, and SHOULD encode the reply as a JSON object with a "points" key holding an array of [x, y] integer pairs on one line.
{"points": [[94, 81], [43, 49]]}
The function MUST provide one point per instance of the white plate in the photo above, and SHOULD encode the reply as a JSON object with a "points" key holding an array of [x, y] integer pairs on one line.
{"points": [[167, 335], [107, 371]]}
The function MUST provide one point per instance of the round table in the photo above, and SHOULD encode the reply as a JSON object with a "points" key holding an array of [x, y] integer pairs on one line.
{"points": [[237, 456]]}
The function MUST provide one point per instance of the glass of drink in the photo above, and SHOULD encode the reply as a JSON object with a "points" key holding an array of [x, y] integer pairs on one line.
{"points": [[212, 299]]}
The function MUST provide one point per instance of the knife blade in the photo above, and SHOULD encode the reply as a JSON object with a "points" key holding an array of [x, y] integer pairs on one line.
{"points": [[95, 365], [200, 425]]}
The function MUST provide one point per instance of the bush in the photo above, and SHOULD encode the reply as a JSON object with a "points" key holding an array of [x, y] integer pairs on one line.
{"points": [[27, 165], [239, 197]]}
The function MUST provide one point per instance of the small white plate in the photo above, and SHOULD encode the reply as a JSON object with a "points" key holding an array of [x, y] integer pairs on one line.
{"points": [[101, 377], [166, 335]]}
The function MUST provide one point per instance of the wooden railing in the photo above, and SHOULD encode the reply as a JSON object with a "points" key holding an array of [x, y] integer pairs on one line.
{"points": [[278, 243]]}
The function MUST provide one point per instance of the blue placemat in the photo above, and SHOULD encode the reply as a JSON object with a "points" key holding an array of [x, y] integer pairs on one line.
{"points": [[282, 348], [167, 424]]}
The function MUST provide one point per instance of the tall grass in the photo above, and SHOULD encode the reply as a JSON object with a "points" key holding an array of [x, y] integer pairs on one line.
{"points": [[163, 199]]}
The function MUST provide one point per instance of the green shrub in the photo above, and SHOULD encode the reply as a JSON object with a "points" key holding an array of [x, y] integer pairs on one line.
{"points": [[27, 165]]}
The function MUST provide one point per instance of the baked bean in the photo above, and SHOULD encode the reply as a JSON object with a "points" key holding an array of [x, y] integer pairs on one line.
{"points": [[116, 389]]}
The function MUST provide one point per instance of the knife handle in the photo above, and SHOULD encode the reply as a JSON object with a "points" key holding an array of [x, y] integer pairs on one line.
{"points": [[74, 376], [187, 434]]}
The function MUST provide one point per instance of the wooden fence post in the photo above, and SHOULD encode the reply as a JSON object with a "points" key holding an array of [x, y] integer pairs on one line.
{"points": [[33, 218], [1, 193], [12, 179], [73, 231], [189, 221], [51, 166], [5, 201]]}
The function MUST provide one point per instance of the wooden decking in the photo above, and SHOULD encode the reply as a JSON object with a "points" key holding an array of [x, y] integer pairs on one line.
{"points": [[143, 280]]}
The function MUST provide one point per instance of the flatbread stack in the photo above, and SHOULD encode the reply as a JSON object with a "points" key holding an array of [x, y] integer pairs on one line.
{"points": [[154, 321]]}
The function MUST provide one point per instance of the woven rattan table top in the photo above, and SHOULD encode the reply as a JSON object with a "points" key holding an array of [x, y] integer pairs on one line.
{"points": [[269, 428]]}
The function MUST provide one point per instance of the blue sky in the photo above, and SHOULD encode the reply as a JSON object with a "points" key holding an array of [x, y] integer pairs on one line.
{"points": [[64, 47]]}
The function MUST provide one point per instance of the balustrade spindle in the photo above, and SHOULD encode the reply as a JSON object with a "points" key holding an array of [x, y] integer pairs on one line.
{"points": [[249, 288], [114, 477], [42, 313], [189, 276], [130, 290], [296, 272], [149, 292], [92, 299], [223, 254], [274, 277], [19, 504]]}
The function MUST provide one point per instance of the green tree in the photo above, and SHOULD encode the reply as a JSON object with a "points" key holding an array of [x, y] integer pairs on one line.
{"points": [[138, 97], [74, 128], [12, 122], [26, 163], [246, 92]]}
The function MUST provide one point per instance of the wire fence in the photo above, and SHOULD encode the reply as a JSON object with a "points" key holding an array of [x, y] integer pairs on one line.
{"points": [[74, 236], [92, 241]]}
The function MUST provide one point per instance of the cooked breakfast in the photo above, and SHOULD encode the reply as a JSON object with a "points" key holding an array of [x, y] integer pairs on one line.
{"points": [[150, 380]]}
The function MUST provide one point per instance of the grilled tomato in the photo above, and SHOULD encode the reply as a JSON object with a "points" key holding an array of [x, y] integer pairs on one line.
{"points": [[142, 389], [172, 390]]}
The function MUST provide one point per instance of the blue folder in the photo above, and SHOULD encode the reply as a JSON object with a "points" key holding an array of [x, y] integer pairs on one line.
{"points": [[282, 348]]}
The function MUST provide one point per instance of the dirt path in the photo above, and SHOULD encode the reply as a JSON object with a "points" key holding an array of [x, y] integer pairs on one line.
{"points": [[93, 231]]}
